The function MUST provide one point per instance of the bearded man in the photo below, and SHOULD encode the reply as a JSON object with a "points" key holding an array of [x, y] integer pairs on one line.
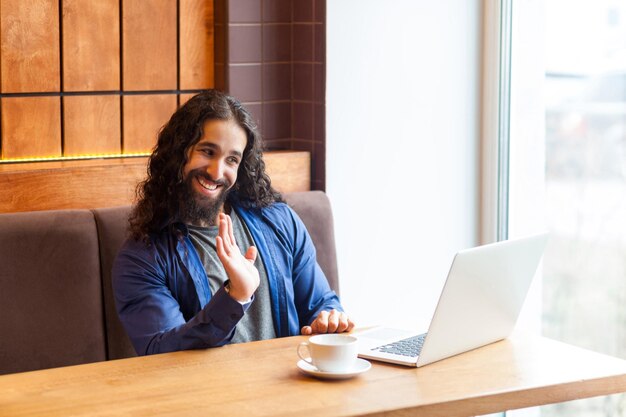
{"points": [[180, 280]]}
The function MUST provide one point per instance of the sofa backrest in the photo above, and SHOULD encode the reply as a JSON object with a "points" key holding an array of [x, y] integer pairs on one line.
{"points": [[56, 297], [314, 209], [51, 309], [112, 226]]}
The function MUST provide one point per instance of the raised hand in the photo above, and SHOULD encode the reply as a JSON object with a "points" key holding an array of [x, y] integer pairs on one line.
{"points": [[243, 275], [329, 322]]}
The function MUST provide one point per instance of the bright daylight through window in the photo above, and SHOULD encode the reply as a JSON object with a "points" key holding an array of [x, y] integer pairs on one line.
{"points": [[584, 270]]}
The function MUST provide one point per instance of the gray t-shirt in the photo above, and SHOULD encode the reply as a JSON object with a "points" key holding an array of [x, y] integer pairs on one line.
{"points": [[257, 323]]}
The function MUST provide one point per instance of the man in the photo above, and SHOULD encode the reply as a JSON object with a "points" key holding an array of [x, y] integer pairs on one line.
{"points": [[180, 280]]}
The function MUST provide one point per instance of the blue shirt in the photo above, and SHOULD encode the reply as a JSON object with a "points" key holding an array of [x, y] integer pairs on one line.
{"points": [[162, 293]]}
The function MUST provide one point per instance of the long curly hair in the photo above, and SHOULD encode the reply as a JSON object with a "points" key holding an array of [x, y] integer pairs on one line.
{"points": [[158, 197]]}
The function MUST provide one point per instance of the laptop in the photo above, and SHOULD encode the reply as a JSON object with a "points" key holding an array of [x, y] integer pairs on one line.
{"points": [[479, 304]]}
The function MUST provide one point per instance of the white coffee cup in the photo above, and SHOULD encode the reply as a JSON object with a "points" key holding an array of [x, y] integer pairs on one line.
{"points": [[331, 352]]}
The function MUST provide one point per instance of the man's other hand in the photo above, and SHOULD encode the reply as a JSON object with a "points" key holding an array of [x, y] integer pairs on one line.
{"points": [[329, 322], [243, 275]]}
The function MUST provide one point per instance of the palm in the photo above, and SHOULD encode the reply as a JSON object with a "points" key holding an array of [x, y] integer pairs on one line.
{"points": [[243, 275]]}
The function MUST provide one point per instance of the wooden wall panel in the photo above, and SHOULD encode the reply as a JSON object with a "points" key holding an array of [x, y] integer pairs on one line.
{"points": [[196, 44], [149, 45], [79, 185], [182, 98], [69, 184], [289, 170], [31, 127], [91, 45], [29, 39], [92, 125], [143, 117]]}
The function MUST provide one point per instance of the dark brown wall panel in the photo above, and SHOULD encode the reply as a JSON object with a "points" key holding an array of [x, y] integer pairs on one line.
{"points": [[143, 117], [244, 11], [277, 11], [149, 44], [271, 55], [196, 44], [245, 43], [30, 45], [31, 127], [91, 45], [92, 125]]}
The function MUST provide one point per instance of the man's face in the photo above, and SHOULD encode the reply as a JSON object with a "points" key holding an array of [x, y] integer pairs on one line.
{"points": [[211, 170]]}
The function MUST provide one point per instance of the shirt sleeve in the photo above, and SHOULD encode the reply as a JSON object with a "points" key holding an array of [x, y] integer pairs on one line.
{"points": [[151, 315]]}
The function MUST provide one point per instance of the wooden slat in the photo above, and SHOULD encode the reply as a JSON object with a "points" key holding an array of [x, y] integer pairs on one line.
{"points": [[109, 182], [30, 45], [65, 185], [91, 45], [196, 44], [92, 125], [149, 44], [143, 117], [31, 127], [289, 170]]}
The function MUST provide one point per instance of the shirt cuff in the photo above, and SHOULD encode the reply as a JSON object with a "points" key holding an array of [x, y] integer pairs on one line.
{"points": [[225, 311]]}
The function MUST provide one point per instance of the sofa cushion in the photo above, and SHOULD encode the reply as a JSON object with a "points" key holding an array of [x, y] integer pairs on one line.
{"points": [[314, 209], [112, 231], [51, 293]]}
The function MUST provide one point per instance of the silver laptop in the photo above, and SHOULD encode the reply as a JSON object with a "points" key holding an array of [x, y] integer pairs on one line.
{"points": [[480, 303]]}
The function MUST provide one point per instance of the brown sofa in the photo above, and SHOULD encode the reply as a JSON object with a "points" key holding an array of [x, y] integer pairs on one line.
{"points": [[56, 300]]}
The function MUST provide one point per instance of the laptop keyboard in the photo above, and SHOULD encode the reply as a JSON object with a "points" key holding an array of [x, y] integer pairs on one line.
{"points": [[406, 347]]}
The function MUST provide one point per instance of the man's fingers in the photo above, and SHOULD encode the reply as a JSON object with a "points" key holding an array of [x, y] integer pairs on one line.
{"points": [[344, 323], [251, 254], [333, 321], [230, 230], [223, 234], [320, 325], [219, 243], [350, 325]]}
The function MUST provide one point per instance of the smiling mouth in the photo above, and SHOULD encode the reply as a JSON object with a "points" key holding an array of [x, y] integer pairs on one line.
{"points": [[207, 184]]}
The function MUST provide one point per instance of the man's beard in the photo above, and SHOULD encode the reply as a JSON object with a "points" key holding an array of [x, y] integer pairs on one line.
{"points": [[197, 208]]}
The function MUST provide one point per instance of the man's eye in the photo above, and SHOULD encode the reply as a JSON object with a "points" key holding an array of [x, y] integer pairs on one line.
{"points": [[233, 161], [208, 152]]}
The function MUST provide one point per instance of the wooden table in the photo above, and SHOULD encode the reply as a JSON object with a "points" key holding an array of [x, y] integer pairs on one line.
{"points": [[261, 378]]}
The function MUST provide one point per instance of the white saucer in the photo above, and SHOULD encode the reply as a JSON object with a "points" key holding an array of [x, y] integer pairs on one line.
{"points": [[360, 366]]}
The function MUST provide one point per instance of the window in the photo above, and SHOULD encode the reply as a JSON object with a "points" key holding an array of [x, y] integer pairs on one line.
{"points": [[568, 172]]}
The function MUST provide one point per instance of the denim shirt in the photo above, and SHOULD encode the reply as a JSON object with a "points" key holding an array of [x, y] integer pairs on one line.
{"points": [[162, 293]]}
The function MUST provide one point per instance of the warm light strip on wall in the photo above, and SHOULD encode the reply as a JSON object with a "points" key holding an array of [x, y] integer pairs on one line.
{"points": [[72, 158]]}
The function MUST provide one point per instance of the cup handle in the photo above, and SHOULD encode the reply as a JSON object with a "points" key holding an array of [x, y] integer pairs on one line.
{"points": [[305, 345]]}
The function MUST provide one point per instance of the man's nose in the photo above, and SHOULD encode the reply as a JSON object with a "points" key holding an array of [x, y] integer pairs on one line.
{"points": [[216, 170]]}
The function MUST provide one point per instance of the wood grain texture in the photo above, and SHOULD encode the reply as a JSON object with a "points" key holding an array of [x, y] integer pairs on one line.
{"points": [[91, 45], [149, 44], [289, 170], [79, 184], [31, 127], [196, 44], [69, 185], [182, 98], [144, 115], [92, 125], [261, 379], [29, 39]]}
